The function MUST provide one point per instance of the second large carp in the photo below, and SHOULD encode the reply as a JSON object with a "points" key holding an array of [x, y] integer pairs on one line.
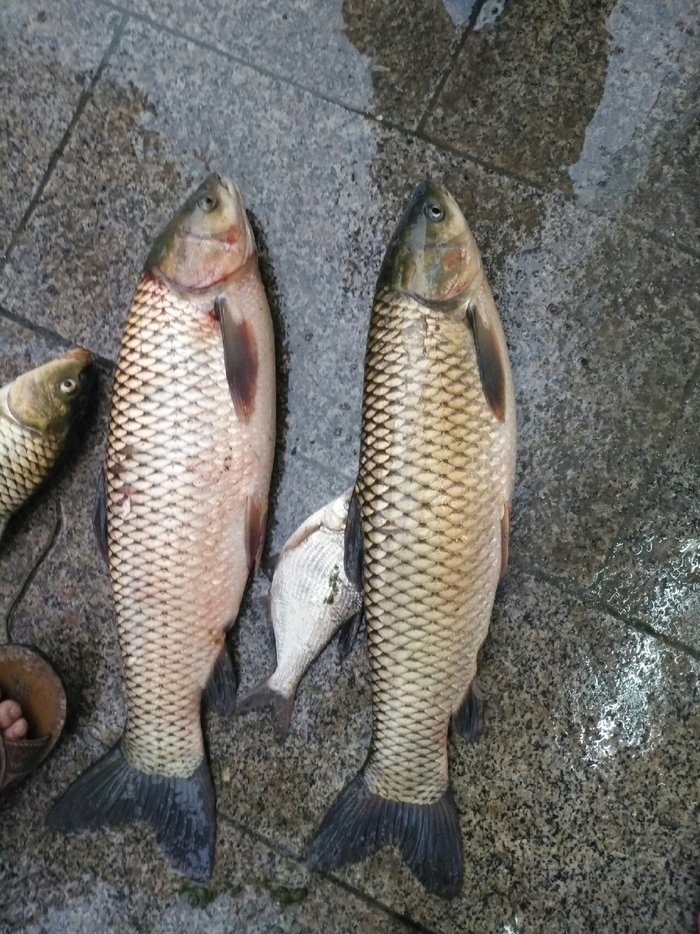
{"points": [[182, 516], [427, 535]]}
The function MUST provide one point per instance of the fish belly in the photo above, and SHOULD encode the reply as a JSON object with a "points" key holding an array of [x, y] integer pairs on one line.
{"points": [[430, 486]]}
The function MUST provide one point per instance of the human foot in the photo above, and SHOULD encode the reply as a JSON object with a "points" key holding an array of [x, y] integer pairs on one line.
{"points": [[13, 726], [32, 712]]}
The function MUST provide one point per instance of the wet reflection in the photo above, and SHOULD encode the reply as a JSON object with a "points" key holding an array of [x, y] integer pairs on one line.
{"points": [[406, 47], [645, 42], [620, 702]]}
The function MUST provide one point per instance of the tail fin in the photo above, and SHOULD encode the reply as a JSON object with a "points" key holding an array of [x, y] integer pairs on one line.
{"points": [[263, 695], [179, 811], [426, 835]]}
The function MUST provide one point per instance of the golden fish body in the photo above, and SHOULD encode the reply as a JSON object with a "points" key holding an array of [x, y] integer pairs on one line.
{"points": [[37, 412], [182, 517], [427, 535], [435, 478]]}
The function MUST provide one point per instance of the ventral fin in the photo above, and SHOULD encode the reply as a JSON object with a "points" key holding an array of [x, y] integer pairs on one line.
{"points": [[348, 633], [353, 543], [99, 515], [255, 522], [491, 365], [240, 358]]}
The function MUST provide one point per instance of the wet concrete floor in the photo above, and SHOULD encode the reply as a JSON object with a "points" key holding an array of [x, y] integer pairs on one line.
{"points": [[568, 131]]}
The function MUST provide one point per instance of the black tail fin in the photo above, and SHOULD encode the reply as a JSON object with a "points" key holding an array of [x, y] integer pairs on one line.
{"points": [[220, 692], [179, 811], [263, 696], [426, 835]]}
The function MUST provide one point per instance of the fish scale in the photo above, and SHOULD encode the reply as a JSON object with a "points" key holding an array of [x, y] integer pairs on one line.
{"points": [[169, 536], [426, 479], [26, 456]]}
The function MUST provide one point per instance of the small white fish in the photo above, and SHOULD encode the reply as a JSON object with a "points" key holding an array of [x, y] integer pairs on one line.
{"points": [[310, 599]]}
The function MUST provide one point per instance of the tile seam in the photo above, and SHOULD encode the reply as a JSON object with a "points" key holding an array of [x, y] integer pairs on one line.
{"points": [[414, 134], [58, 151], [287, 852], [631, 512], [592, 602], [49, 334]]}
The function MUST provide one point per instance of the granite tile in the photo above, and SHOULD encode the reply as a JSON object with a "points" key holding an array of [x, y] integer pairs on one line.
{"points": [[654, 571], [576, 805], [352, 51], [118, 882], [325, 187], [603, 330], [598, 100], [48, 55]]}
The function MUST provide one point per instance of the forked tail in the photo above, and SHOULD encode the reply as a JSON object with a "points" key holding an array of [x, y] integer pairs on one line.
{"points": [[426, 835], [179, 811]]}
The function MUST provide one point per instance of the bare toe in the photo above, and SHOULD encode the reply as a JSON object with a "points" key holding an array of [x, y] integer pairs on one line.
{"points": [[10, 713], [18, 730]]}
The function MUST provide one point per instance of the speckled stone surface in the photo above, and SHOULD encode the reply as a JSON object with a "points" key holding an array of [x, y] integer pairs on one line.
{"points": [[597, 99], [654, 571], [354, 51], [578, 805], [48, 55]]}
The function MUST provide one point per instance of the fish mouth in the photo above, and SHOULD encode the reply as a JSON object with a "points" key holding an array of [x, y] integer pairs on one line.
{"points": [[229, 184], [81, 355]]}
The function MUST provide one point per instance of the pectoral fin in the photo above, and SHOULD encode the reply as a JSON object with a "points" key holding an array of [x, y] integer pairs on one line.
{"points": [[99, 515], [240, 358], [255, 522], [353, 543], [492, 367]]}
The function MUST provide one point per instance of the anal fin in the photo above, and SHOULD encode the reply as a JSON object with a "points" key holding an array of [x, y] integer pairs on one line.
{"points": [[255, 522], [505, 537], [468, 718], [220, 692]]}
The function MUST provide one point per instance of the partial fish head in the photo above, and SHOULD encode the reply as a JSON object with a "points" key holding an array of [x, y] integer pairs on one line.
{"points": [[207, 241], [432, 254], [49, 398]]}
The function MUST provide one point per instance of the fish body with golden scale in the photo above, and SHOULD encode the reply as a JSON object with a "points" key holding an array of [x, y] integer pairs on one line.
{"points": [[38, 410], [182, 516], [427, 536], [311, 599]]}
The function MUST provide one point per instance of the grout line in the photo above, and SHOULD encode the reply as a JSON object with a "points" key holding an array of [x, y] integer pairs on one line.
{"points": [[588, 600], [632, 509], [51, 335], [63, 142], [288, 853], [432, 101], [416, 134]]}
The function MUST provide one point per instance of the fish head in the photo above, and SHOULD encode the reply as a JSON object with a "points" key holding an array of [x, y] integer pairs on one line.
{"points": [[207, 241], [432, 253], [50, 397]]}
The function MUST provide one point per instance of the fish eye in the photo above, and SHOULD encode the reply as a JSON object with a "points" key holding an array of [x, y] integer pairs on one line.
{"points": [[207, 203], [68, 386], [433, 211]]}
